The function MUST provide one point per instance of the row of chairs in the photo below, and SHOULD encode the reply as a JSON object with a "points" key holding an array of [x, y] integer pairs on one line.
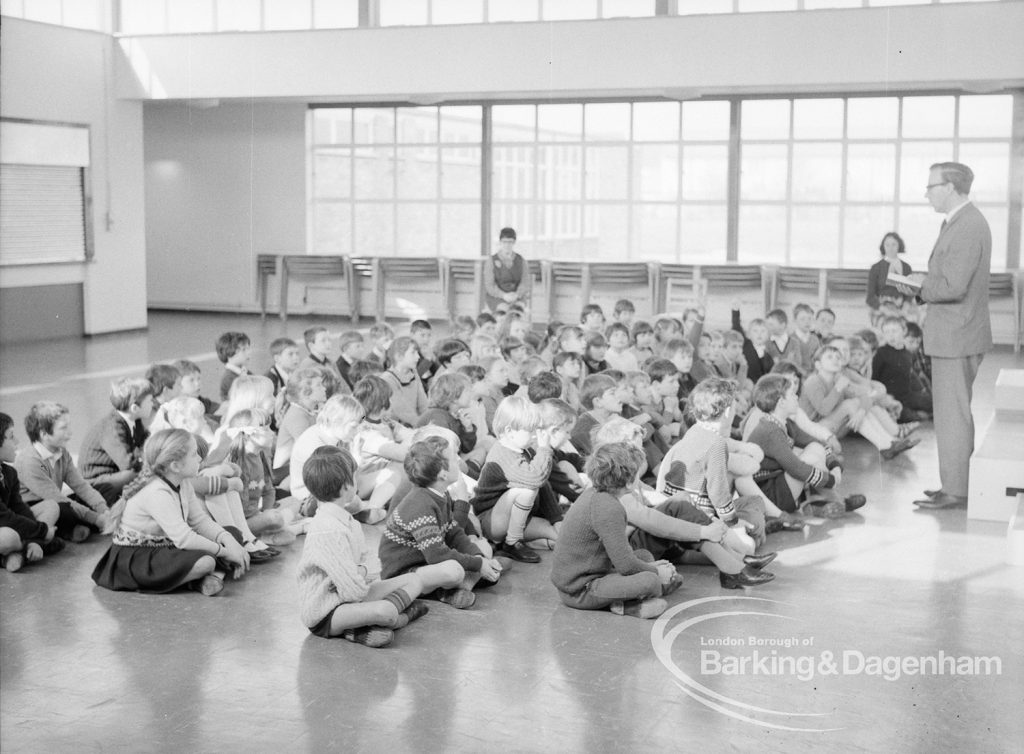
{"points": [[562, 287]]}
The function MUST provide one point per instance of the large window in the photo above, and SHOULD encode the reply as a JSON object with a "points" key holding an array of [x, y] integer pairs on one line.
{"points": [[820, 179], [823, 179], [399, 181], [645, 180]]}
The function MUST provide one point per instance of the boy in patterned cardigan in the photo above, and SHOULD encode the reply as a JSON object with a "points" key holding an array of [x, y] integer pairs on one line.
{"points": [[339, 588], [428, 526]]}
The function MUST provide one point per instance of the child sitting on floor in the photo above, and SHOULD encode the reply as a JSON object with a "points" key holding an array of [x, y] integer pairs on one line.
{"points": [[566, 478], [340, 592], [234, 350], [424, 528], [569, 368], [600, 399], [286, 356], [192, 386], [786, 472], [379, 447], [619, 354], [594, 566], [163, 538], [45, 466], [111, 454], [408, 396], [250, 441], [512, 499], [699, 465], [643, 342], [26, 533], [453, 405]]}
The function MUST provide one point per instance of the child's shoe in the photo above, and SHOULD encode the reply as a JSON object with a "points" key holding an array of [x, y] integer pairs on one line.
{"points": [[649, 608], [747, 577], [518, 551], [460, 599], [371, 636], [80, 533]]}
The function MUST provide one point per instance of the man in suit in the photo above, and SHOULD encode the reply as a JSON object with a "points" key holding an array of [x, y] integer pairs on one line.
{"points": [[957, 328]]}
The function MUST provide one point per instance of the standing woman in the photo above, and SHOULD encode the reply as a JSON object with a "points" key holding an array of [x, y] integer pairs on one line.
{"points": [[507, 277], [878, 289]]}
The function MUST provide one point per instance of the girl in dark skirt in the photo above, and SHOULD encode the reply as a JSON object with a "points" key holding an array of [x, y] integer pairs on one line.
{"points": [[163, 537]]}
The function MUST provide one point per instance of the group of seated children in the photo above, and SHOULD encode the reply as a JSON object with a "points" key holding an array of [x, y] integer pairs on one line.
{"points": [[629, 449]]}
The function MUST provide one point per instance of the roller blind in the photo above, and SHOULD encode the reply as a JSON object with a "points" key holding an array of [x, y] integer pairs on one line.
{"points": [[43, 169], [42, 214]]}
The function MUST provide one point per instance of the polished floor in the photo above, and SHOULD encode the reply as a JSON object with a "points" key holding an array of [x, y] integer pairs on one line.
{"points": [[823, 659]]}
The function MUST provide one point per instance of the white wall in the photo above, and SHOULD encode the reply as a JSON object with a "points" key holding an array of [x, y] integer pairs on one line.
{"points": [[51, 73], [934, 46], [223, 184]]}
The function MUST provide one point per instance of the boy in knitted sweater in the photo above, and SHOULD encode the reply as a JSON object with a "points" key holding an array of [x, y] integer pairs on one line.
{"points": [[513, 500], [340, 591], [699, 464], [595, 567], [786, 472], [427, 526]]}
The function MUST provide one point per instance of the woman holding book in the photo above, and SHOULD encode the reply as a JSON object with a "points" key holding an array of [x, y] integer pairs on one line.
{"points": [[879, 289]]}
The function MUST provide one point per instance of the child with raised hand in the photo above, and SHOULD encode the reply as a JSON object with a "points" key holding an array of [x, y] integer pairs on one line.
{"points": [[594, 566], [286, 356], [45, 466], [163, 537], [234, 350], [512, 499], [424, 527], [755, 346], [111, 453], [379, 447], [408, 397], [26, 533], [340, 590]]}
